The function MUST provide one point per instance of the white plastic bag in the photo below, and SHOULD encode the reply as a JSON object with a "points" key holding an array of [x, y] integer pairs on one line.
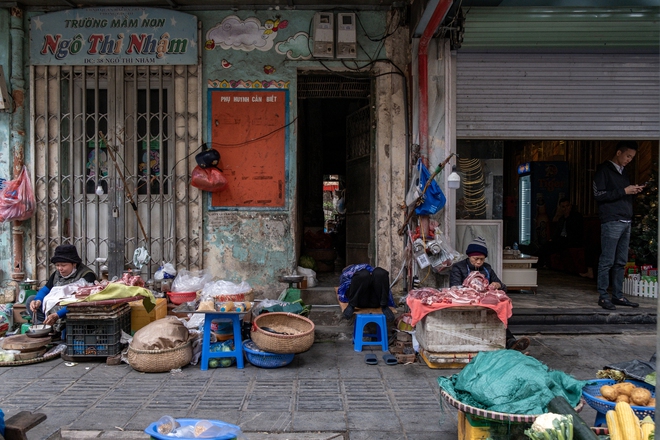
{"points": [[190, 281], [167, 270], [222, 287], [309, 274]]}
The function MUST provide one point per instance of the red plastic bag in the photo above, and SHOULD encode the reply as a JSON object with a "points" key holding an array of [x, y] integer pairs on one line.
{"points": [[208, 179], [17, 198]]}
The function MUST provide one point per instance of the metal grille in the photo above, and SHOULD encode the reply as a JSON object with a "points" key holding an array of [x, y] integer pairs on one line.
{"points": [[332, 86], [358, 133], [111, 172]]}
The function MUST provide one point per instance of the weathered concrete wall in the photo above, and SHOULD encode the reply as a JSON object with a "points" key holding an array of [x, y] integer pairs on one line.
{"points": [[391, 157], [259, 245], [5, 155]]}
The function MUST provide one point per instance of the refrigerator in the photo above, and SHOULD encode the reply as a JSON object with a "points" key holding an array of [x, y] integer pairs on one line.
{"points": [[540, 188]]}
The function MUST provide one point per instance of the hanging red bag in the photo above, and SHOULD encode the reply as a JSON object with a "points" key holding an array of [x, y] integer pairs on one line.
{"points": [[17, 198], [208, 179]]}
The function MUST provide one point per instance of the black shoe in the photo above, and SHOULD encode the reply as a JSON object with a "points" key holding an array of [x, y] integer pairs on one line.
{"points": [[606, 304], [389, 316], [348, 312], [624, 302], [518, 344]]}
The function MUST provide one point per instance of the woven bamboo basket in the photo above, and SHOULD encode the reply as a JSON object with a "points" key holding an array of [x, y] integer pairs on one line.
{"points": [[295, 333], [160, 361]]}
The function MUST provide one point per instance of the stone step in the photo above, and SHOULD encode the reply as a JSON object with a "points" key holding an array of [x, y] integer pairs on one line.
{"points": [[319, 296], [582, 316], [572, 329]]}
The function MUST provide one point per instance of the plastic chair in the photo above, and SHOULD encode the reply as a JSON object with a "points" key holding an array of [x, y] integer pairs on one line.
{"points": [[361, 320]]}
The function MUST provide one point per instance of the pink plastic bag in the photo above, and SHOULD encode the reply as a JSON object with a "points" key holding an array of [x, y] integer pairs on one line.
{"points": [[17, 198], [208, 179]]}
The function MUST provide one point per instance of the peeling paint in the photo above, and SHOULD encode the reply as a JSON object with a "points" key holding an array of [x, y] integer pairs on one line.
{"points": [[19, 99]]}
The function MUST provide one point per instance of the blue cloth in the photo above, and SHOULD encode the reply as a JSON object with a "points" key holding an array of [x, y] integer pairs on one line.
{"points": [[614, 241], [434, 198], [2, 423], [345, 281]]}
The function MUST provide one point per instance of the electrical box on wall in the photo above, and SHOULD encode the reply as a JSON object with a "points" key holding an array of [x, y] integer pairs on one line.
{"points": [[346, 35], [324, 35], [4, 95]]}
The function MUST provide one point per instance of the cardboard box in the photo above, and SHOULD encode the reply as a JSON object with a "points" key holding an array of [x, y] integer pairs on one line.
{"points": [[140, 317], [463, 329]]}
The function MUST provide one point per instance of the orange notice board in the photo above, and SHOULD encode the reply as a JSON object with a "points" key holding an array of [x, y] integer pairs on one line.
{"points": [[248, 128]]}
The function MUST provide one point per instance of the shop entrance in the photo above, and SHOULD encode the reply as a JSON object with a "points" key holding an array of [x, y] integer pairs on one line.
{"points": [[523, 183], [335, 190]]}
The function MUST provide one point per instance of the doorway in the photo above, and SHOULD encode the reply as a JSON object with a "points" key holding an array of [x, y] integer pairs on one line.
{"points": [[335, 178]]}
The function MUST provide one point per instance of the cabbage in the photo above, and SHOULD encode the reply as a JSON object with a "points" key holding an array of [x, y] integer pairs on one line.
{"points": [[307, 262]]}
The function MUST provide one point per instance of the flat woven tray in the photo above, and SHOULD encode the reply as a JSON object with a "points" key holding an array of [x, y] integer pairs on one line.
{"points": [[105, 302], [493, 415], [50, 354]]}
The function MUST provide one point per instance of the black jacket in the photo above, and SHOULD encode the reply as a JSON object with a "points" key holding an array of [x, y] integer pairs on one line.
{"points": [[610, 194], [460, 271]]}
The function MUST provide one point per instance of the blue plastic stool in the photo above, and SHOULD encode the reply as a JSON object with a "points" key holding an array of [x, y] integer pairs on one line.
{"points": [[361, 320]]}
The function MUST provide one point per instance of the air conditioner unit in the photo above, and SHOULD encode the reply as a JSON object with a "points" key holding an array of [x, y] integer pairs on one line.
{"points": [[4, 95], [324, 35], [346, 35]]}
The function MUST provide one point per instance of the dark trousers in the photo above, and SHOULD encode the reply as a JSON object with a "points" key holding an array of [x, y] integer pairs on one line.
{"points": [[369, 290]]}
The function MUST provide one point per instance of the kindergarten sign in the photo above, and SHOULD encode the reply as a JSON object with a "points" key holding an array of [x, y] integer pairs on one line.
{"points": [[113, 36]]}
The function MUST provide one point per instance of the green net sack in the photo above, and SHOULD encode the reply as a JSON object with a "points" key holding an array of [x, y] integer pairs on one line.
{"points": [[507, 381]]}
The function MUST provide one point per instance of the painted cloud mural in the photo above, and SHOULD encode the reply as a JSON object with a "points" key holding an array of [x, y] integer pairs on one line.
{"points": [[247, 35], [295, 47]]}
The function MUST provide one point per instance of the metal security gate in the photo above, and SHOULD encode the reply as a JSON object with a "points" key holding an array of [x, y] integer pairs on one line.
{"points": [[557, 95], [359, 188], [111, 160]]}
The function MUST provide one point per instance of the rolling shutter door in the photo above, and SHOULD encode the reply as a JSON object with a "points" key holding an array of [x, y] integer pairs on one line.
{"points": [[557, 96]]}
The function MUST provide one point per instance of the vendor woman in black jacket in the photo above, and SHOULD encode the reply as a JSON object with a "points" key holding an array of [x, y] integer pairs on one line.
{"points": [[477, 253]]}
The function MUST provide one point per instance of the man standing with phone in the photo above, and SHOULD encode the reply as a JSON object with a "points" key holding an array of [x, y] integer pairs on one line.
{"points": [[614, 195]]}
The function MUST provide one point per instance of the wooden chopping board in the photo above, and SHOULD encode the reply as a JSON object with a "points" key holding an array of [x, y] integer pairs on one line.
{"points": [[23, 342]]}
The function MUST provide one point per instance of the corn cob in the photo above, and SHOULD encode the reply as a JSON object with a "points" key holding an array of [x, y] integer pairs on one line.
{"points": [[613, 425], [628, 422], [648, 427]]}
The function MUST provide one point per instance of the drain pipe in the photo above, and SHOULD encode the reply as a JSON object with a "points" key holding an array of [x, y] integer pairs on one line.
{"points": [[17, 129], [439, 14]]}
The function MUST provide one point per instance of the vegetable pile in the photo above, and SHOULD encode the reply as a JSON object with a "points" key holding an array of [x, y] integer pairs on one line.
{"points": [[627, 392], [551, 426], [623, 424]]}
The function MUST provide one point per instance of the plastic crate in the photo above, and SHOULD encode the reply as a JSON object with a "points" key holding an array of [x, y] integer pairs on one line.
{"points": [[97, 337]]}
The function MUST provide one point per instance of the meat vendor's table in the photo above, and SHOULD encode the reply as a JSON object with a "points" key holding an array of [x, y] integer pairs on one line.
{"points": [[237, 352]]}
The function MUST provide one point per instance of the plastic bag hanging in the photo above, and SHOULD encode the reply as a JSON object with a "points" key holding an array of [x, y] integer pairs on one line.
{"points": [[433, 199], [208, 179], [17, 200]]}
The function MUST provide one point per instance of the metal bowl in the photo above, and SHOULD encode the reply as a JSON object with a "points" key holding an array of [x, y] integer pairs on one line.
{"points": [[38, 331]]}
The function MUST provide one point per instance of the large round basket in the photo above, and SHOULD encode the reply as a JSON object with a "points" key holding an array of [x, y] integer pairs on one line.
{"points": [[290, 333], [494, 415], [160, 361]]}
